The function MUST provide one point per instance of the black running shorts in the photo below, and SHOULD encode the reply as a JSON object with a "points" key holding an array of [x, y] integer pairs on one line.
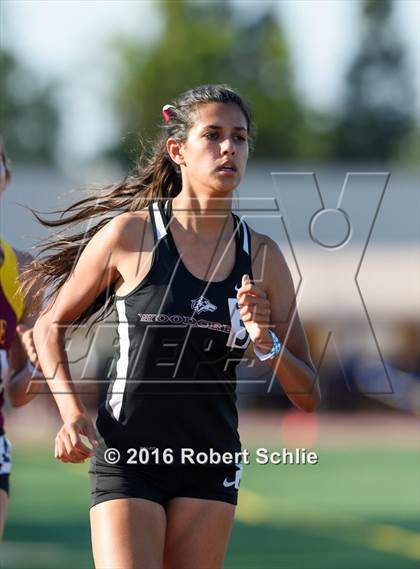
{"points": [[160, 483]]}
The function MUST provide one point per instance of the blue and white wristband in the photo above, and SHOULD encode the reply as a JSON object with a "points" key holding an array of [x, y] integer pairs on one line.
{"points": [[275, 350]]}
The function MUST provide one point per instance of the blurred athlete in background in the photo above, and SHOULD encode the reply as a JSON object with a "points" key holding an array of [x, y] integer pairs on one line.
{"points": [[18, 359]]}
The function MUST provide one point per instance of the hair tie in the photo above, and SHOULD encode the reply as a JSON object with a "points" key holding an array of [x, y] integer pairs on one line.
{"points": [[167, 111]]}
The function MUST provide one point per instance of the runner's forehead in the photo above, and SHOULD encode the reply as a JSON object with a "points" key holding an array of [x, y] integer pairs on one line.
{"points": [[220, 115]]}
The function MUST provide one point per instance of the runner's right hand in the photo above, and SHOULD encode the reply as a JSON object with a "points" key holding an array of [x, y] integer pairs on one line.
{"points": [[68, 444]]}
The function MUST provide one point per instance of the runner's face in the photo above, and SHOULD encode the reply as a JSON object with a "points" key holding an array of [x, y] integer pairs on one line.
{"points": [[219, 135]]}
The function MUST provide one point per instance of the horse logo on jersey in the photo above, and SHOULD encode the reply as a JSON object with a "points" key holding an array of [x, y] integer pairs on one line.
{"points": [[201, 304]]}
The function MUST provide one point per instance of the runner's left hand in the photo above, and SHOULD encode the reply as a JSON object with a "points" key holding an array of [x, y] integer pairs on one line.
{"points": [[254, 311]]}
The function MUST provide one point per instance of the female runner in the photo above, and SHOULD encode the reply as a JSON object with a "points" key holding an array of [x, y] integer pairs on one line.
{"points": [[18, 359], [178, 265]]}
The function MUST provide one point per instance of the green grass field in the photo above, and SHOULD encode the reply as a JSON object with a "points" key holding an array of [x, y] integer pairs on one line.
{"points": [[355, 509]]}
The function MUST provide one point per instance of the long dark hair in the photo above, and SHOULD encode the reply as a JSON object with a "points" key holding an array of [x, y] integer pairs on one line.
{"points": [[155, 176]]}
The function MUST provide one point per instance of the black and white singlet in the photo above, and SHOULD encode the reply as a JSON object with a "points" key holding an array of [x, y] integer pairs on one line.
{"points": [[179, 342]]}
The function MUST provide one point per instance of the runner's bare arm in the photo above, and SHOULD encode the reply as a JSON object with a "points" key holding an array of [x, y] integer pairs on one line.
{"points": [[95, 270], [293, 367]]}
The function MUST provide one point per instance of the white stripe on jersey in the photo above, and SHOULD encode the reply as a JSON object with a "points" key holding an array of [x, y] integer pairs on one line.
{"points": [[246, 243], [119, 384], [160, 226]]}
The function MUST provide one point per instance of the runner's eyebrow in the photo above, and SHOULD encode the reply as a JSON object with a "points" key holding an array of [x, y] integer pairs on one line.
{"points": [[217, 127]]}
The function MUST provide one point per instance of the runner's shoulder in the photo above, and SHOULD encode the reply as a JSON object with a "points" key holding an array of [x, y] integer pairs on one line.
{"points": [[259, 240], [124, 229], [268, 258]]}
